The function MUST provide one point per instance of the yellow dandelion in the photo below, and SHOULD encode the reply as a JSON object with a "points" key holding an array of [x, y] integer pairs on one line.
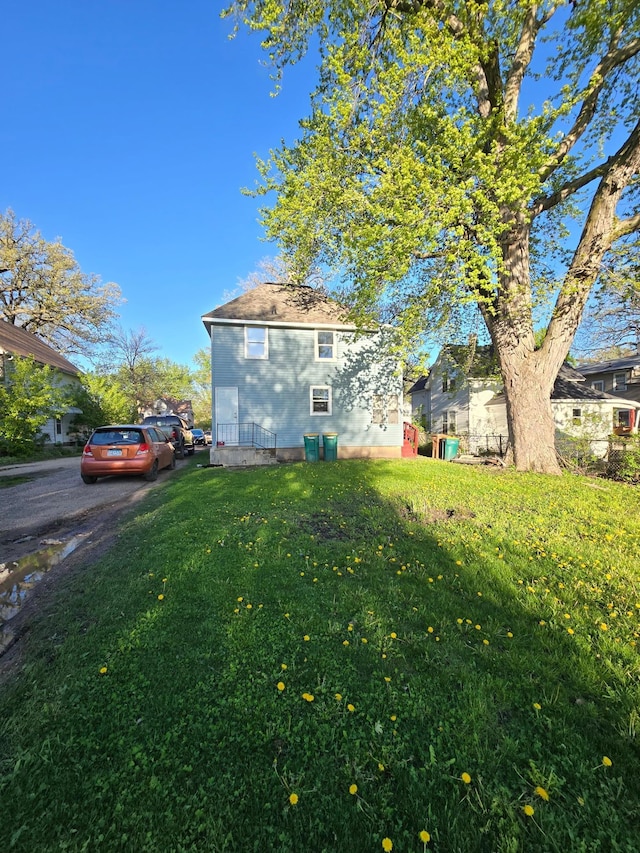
{"points": [[283, 666], [509, 634], [393, 718], [486, 642], [280, 686], [160, 597], [364, 640], [604, 626], [293, 799], [103, 670], [528, 810], [387, 845], [540, 791], [345, 642], [570, 631], [381, 767], [387, 679], [537, 706], [240, 598], [466, 778], [351, 707], [164, 580], [339, 697], [308, 697], [606, 761], [306, 638], [430, 630], [249, 606], [424, 836], [353, 790]]}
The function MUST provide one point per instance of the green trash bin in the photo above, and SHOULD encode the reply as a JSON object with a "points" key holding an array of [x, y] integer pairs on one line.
{"points": [[330, 442], [311, 447], [451, 448]]}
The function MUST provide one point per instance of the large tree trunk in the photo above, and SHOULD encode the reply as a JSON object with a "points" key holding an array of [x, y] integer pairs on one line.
{"points": [[527, 385], [528, 374]]}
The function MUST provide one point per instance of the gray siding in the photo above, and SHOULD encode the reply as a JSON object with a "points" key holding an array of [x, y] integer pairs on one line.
{"points": [[275, 392]]}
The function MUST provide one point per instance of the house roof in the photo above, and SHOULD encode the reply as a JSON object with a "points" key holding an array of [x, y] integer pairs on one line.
{"points": [[627, 363], [15, 340], [566, 388], [279, 304], [419, 385]]}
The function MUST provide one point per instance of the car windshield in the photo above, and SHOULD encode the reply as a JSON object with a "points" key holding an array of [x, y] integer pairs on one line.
{"points": [[117, 436]]}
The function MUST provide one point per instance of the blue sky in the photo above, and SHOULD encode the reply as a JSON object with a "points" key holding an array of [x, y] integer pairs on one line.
{"points": [[128, 128]]}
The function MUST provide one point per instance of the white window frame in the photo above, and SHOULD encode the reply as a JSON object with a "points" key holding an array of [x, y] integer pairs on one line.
{"points": [[453, 421], [617, 384], [598, 385], [385, 409], [312, 398], [248, 342], [333, 345]]}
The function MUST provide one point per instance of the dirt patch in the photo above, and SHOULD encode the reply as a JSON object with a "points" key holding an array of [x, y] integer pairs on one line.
{"points": [[99, 526]]}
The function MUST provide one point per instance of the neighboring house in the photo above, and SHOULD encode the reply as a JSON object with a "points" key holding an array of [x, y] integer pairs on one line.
{"points": [[286, 362], [454, 397], [16, 342], [463, 395], [621, 377], [170, 406]]}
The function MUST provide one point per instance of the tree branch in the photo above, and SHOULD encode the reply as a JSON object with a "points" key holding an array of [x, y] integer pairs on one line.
{"points": [[522, 58], [540, 205], [624, 227], [614, 58]]}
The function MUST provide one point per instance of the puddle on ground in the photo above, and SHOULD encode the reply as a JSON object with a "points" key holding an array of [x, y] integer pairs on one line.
{"points": [[18, 579]]}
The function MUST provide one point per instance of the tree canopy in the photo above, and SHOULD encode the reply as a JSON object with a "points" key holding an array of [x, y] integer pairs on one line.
{"points": [[463, 153], [43, 290]]}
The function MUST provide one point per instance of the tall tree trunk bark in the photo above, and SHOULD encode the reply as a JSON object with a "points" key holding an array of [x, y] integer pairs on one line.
{"points": [[528, 382], [528, 374]]}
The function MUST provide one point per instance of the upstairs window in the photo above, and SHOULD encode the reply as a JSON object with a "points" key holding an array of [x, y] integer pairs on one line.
{"points": [[448, 383], [320, 400], [620, 381], [598, 385], [256, 342], [325, 346]]}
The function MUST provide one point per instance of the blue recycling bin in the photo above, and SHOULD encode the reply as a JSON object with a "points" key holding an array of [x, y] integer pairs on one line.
{"points": [[311, 447], [330, 443]]}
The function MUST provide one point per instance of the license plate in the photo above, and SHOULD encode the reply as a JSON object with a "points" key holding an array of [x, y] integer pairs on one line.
{"points": [[114, 452]]}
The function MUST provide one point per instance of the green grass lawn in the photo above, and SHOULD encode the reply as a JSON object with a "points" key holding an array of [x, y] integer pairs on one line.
{"points": [[339, 657]]}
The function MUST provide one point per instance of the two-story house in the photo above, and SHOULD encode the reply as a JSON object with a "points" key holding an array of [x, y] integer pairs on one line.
{"points": [[463, 395], [18, 343], [620, 377], [286, 362]]}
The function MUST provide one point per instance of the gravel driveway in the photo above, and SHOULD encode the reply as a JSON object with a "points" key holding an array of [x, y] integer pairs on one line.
{"points": [[54, 498]]}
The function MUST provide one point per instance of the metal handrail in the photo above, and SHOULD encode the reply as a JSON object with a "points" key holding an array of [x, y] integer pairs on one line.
{"points": [[245, 435]]}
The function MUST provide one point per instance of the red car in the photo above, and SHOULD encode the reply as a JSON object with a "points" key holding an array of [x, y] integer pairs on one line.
{"points": [[126, 449]]}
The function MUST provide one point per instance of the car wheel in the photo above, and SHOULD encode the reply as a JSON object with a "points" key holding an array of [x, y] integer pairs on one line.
{"points": [[191, 450], [152, 475], [88, 479], [180, 451]]}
